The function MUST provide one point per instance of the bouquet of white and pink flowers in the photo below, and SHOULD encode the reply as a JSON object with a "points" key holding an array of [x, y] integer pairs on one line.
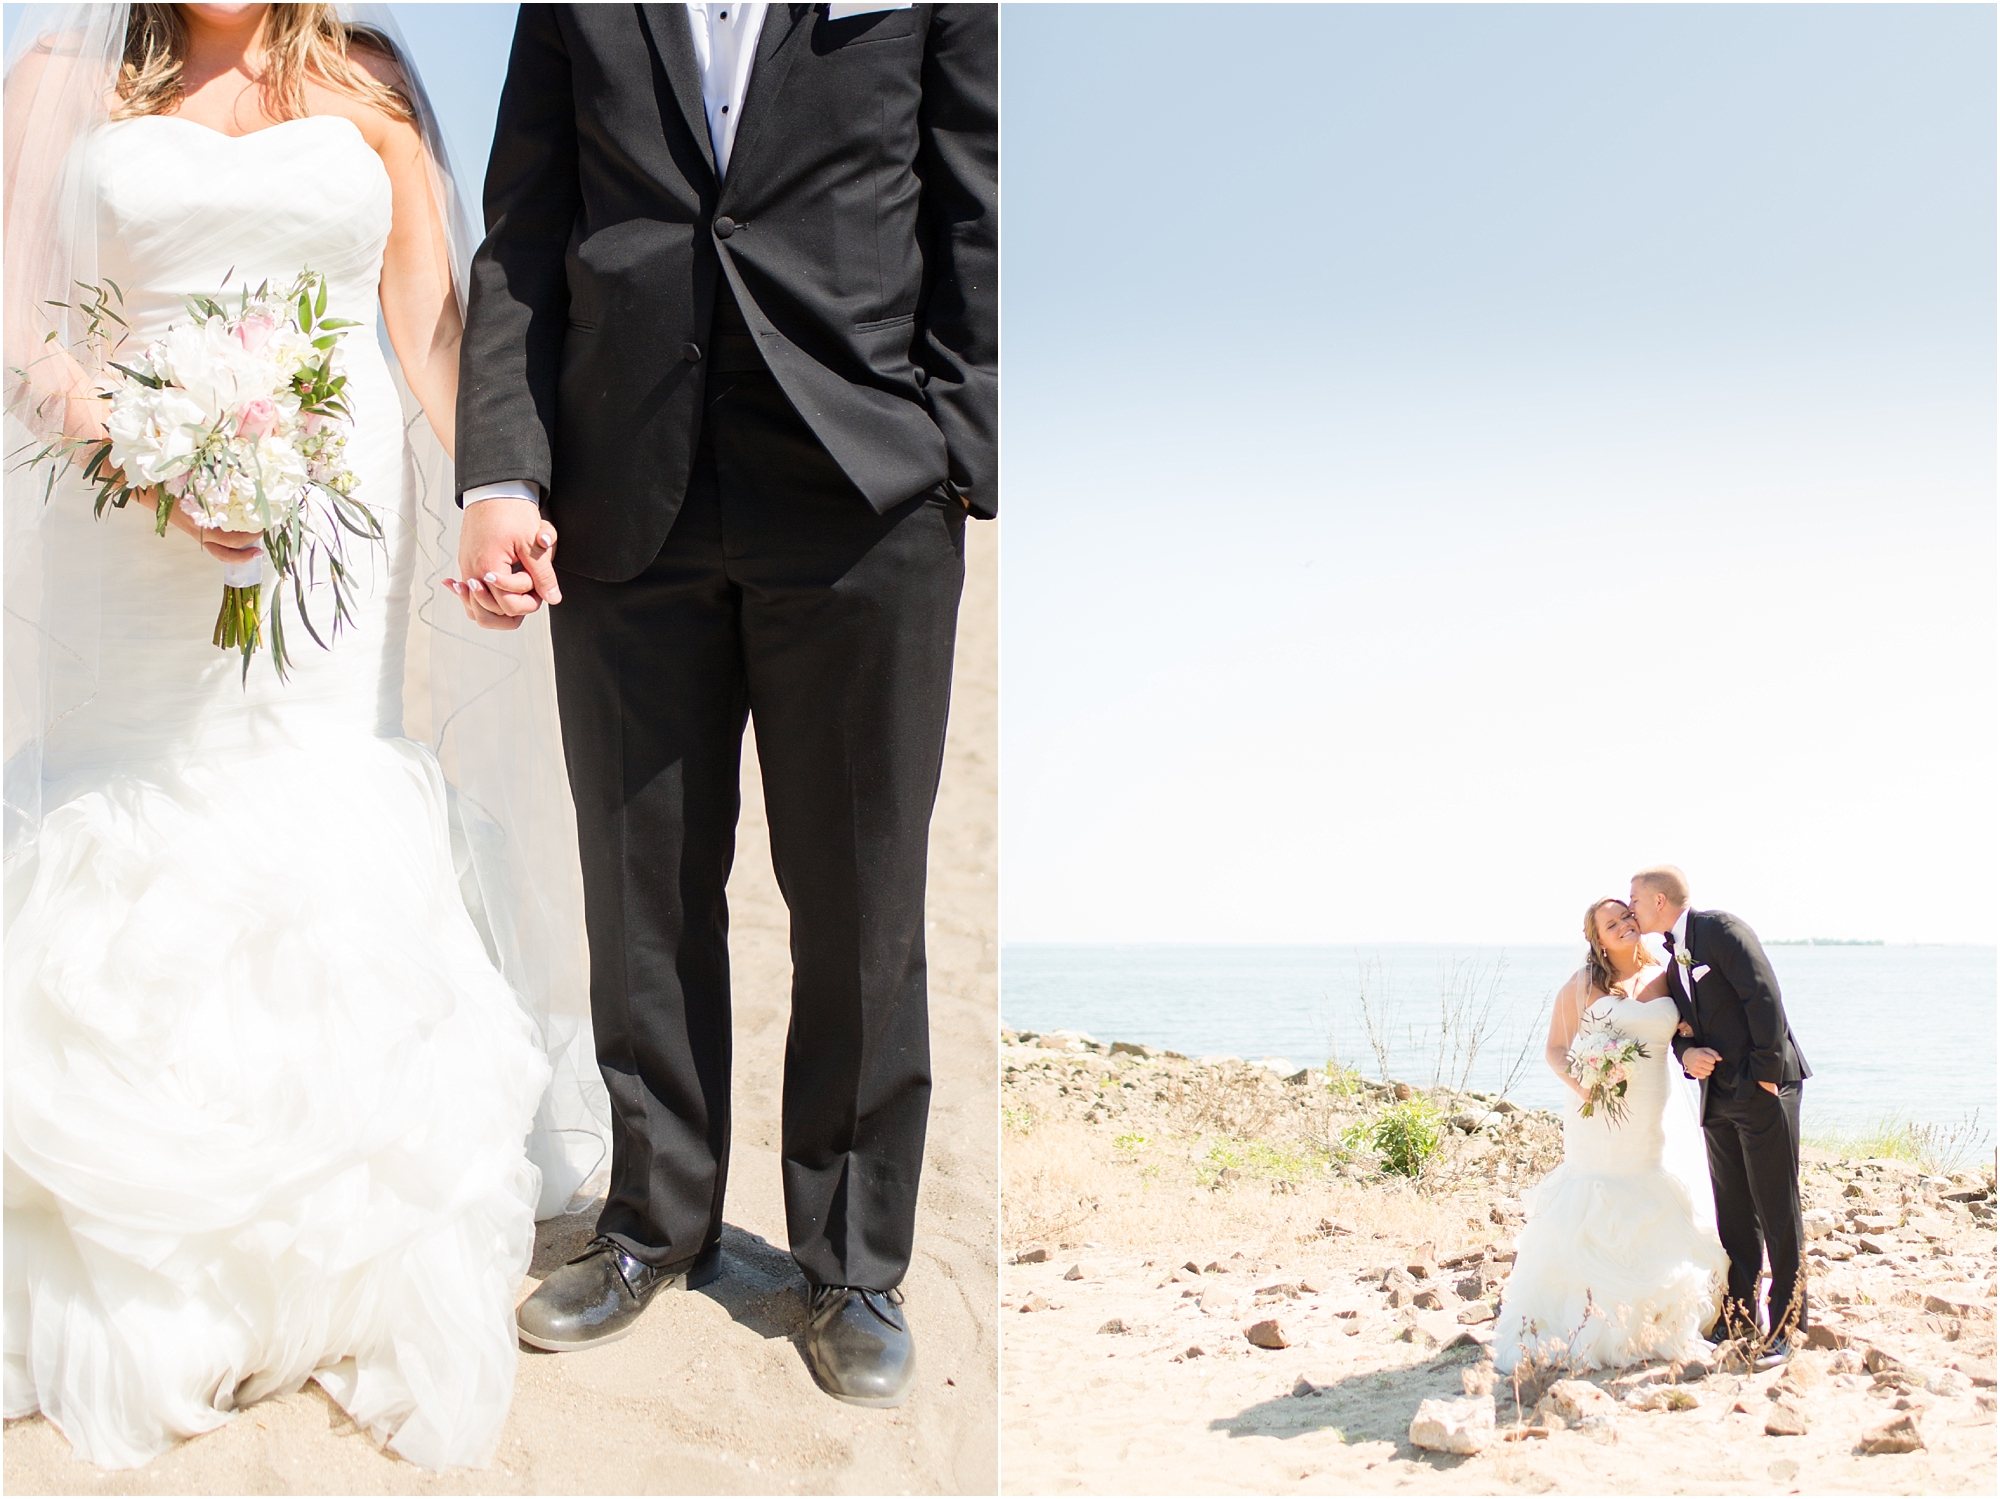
{"points": [[236, 416], [1602, 1061]]}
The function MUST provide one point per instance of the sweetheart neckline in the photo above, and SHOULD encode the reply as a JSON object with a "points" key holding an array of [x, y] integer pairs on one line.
{"points": [[248, 134]]}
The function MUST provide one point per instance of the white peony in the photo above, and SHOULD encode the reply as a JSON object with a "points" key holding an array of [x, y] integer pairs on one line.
{"points": [[154, 432], [210, 363]]}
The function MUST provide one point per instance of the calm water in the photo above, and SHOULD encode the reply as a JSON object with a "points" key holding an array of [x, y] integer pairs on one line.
{"points": [[1889, 1031]]}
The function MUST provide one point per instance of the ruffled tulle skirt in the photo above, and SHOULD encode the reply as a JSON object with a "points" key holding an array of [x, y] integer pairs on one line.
{"points": [[1610, 1270], [266, 1099]]}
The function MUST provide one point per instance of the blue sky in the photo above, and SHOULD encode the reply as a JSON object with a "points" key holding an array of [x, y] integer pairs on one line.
{"points": [[1406, 408]]}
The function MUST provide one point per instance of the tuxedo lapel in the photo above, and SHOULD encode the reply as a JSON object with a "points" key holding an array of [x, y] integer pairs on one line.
{"points": [[775, 51], [668, 26]]}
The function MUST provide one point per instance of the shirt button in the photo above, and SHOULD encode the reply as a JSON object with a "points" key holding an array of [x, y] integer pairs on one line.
{"points": [[724, 227], [691, 353]]}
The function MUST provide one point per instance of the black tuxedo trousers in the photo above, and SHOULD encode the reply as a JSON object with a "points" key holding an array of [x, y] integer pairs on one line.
{"points": [[1753, 1163], [782, 595]]}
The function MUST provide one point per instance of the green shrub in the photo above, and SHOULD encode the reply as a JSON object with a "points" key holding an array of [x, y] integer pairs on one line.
{"points": [[1406, 1137]]}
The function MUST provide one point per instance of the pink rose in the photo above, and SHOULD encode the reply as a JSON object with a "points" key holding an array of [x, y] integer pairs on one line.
{"points": [[257, 417], [255, 331], [313, 422]]}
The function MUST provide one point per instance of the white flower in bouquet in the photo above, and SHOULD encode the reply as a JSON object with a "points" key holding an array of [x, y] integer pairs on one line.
{"points": [[154, 433], [1602, 1060]]}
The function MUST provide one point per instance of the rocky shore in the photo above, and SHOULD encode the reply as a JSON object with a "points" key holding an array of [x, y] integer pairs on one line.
{"points": [[1219, 1283]]}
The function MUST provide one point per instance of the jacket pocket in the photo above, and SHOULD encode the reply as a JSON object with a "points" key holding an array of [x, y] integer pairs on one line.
{"points": [[881, 324]]}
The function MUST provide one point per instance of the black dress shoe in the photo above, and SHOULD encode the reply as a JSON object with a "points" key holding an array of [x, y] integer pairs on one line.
{"points": [[1779, 1352], [859, 1345], [597, 1296]]}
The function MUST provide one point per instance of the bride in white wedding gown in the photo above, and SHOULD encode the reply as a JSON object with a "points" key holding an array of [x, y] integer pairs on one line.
{"points": [[1619, 1261], [268, 1095]]}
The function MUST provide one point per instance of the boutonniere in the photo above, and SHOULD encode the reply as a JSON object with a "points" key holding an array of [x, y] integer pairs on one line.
{"points": [[1684, 958]]}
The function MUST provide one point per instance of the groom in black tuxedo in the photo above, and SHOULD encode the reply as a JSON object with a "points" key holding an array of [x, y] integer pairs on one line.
{"points": [[1751, 1073], [733, 333]]}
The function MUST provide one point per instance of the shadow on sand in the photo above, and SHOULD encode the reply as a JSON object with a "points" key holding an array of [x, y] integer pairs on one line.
{"points": [[1366, 1407], [760, 1287]]}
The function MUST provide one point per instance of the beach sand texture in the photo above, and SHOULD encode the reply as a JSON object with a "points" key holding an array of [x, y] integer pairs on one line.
{"points": [[710, 1394], [1164, 1217]]}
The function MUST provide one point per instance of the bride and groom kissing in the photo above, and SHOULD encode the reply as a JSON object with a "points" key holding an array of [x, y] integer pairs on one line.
{"points": [[292, 970], [1655, 1230]]}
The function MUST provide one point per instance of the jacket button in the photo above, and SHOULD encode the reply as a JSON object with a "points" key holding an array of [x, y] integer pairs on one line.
{"points": [[724, 227], [691, 353], [923, 377]]}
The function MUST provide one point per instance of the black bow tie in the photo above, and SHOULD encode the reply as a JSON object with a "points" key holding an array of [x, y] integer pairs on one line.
{"points": [[1668, 938]]}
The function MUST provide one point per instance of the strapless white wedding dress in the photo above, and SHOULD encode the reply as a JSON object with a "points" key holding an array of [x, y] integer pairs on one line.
{"points": [[266, 1096], [1615, 1264]]}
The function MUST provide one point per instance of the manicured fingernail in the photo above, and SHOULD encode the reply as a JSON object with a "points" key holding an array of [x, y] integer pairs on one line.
{"points": [[555, 595], [474, 584], [493, 577], [546, 540]]}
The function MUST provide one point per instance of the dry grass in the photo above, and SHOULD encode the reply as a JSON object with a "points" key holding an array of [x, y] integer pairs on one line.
{"points": [[1068, 1183]]}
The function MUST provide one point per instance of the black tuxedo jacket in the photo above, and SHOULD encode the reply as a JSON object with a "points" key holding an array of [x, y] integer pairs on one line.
{"points": [[857, 227], [1734, 1007]]}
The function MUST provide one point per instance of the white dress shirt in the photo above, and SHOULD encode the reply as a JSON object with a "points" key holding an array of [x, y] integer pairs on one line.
{"points": [[725, 45]]}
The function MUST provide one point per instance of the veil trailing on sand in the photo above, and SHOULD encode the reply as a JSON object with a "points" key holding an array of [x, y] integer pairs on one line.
{"points": [[483, 702]]}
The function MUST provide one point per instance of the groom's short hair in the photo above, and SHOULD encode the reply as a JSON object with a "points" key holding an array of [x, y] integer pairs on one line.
{"points": [[1667, 879]]}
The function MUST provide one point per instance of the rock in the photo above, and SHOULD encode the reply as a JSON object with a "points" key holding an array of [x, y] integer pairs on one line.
{"points": [[1115, 1325], [1877, 1223], [1228, 1176], [1427, 1301], [1130, 1049], [1978, 1370], [1423, 1263], [1034, 1304], [1899, 1435], [1873, 1243], [1303, 1075], [1462, 1426], [1576, 1401], [1785, 1419], [1220, 1301], [1215, 1267], [1079, 1271], [1474, 1313], [1819, 1335], [1503, 1106], [1658, 1397], [1192, 1268], [1819, 1223], [1288, 1289], [1471, 1288], [1034, 1254], [1195, 1350], [1312, 1285], [1403, 1092], [1269, 1333], [1958, 1301], [1306, 1387], [1801, 1374]]}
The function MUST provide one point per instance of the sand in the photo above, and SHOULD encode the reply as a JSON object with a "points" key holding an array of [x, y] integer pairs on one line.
{"points": [[1181, 1204], [710, 1394]]}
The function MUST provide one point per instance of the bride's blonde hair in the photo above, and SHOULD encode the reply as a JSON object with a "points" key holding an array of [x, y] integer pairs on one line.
{"points": [[299, 42], [1600, 973]]}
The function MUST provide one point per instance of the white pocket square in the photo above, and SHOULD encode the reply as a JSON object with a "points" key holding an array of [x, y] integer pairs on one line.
{"points": [[1699, 970], [842, 12]]}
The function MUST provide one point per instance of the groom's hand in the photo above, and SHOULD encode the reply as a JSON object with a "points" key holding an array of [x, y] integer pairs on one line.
{"points": [[504, 547], [1771, 1088], [1699, 1061]]}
